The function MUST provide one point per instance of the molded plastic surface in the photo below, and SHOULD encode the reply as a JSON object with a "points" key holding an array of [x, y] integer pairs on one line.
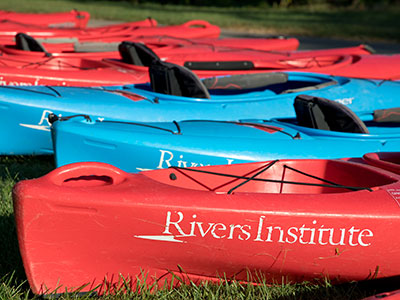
{"points": [[147, 146], [256, 221], [25, 109], [73, 18], [386, 160]]}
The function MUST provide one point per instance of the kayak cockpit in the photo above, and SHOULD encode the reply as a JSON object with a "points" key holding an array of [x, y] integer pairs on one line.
{"points": [[318, 116], [175, 80], [276, 177]]}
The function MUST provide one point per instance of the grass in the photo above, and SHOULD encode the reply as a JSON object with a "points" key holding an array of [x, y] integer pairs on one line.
{"points": [[13, 284], [368, 25]]}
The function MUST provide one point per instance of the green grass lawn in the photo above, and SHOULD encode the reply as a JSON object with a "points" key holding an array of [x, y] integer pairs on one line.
{"points": [[368, 25]]}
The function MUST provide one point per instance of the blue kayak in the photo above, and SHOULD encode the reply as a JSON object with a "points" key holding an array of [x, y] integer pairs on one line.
{"points": [[24, 109], [141, 146]]}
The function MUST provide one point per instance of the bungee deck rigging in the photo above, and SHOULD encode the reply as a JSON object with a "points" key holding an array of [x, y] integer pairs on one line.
{"points": [[253, 178]]}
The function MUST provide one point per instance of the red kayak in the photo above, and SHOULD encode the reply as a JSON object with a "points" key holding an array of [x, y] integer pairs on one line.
{"points": [[26, 45], [110, 33], [36, 66], [64, 72], [386, 160], [73, 18], [88, 225], [212, 61], [10, 28]]}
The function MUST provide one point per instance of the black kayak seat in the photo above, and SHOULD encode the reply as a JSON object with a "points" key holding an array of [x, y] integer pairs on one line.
{"points": [[141, 55], [245, 81], [321, 113], [136, 54], [171, 79], [391, 115], [25, 42]]}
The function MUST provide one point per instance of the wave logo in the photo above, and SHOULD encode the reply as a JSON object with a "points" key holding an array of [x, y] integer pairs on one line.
{"points": [[43, 124]]}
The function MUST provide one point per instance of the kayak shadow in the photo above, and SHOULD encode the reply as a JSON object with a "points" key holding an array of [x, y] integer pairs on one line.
{"points": [[10, 258], [13, 169], [354, 290], [25, 167]]}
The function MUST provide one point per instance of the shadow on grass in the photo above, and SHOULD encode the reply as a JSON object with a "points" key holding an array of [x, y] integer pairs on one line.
{"points": [[13, 169], [323, 290], [10, 259], [25, 167]]}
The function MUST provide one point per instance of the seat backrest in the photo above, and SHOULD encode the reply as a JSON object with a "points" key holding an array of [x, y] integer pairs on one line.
{"points": [[321, 113], [27, 43], [172, 79], [137, 54]]}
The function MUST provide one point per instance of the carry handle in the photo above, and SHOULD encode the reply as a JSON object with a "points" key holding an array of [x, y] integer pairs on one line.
{"points": [[87, 173], [197, 23]]}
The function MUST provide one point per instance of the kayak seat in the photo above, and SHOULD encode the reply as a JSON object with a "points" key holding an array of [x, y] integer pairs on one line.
{"points": [[136, 54], [245, 81], [27, 43], [320, 113], [171, 79]]}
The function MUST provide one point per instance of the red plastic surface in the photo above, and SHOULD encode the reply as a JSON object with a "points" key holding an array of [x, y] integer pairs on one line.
{"points": [[91, 223], [110, 33], [59, 71], [73, 18], [340, 62], [386, 160], [170, 44]]}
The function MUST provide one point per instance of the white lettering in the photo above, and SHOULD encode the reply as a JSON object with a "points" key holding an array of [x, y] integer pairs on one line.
{"points": [[321, 235], [222, 227], [162, 159], [169, 159], [341, 242], [366, 233], [181, 163], [307, 234], [260, 224], [246, 233], [352, 230], [168, 222], [345, 101], [44, 117], [293, 235], [202, 232]]}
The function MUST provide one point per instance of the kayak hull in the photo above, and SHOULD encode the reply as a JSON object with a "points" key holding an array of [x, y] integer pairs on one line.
{"points": [[100, 50], [25, 109], [379, 67], [59, 71], [170, 225], [146, 146], [110, 33], [73, 18], [226, 61]]}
